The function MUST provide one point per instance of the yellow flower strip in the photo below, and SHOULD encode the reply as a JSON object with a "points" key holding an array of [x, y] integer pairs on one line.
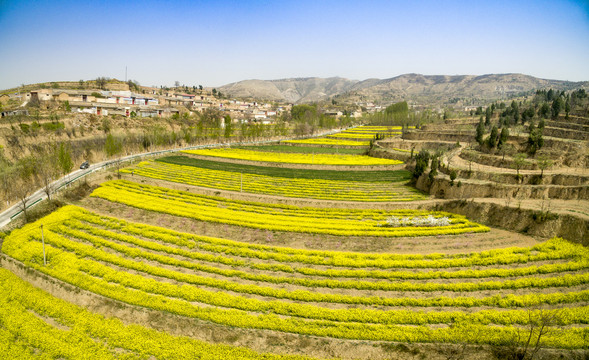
{"points": [[249, 214], [168, 297], [565, 280], [184, 240], [210, 297], [328, 141], [197, 207], [356, 135], [375, 129], [93, 251], [554, 249], [72, 268], [90, 336], [260, 184], [294, 158]]}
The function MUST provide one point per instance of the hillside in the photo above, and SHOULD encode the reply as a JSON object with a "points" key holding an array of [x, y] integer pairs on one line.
{"points": [[438, 89], [296, 90]]}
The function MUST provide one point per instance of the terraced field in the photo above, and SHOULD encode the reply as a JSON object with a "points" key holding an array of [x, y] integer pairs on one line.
{"points": [[36, 325], [304, 149], [314, 184], [347, 222], [408, 298], [293, 158], [358, 136], [329, 141], [124, 245]]}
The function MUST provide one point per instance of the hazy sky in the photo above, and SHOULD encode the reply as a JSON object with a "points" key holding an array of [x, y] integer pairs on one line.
{"points": [[216, 42]]}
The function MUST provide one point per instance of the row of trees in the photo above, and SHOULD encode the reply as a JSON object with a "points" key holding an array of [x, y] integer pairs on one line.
{"points": [[307, 119], [399, 114]]}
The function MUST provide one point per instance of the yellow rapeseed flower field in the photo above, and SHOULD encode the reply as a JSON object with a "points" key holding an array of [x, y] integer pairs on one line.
{"points": [[294, 158]]}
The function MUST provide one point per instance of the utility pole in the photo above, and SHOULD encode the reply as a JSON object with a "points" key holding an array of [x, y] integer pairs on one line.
{"points": [[125, 73], [43, 241]]}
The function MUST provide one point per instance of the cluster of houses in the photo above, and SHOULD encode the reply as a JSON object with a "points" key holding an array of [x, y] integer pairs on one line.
{"points": [[150, 103], [154, 102]]}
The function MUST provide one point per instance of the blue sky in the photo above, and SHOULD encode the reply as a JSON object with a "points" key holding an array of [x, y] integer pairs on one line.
{"points": [[217, 42]]}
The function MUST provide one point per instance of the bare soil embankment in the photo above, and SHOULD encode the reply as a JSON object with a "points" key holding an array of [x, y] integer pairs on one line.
{"points": [[524, 219]]}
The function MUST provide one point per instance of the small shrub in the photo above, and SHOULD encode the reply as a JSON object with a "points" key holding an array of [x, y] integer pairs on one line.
{"points": [[24, 128], [53, 126], [535, 180], [35, 126], [453, 176], [543, 216]]}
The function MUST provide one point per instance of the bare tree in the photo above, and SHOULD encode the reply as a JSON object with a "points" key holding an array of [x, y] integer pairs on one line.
{"points": [[518, 162], [527, 341], [543, 163], [48, 166], [506, 149]]}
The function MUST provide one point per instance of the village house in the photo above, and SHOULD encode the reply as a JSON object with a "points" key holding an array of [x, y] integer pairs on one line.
{"points": [[40, 95], [122, 101], [14, 112]]}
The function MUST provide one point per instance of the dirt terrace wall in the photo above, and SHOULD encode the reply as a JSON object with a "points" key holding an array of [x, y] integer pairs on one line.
{"points": [[494, 160], [442, 189], [393, 155], [526, 221], [439, 135], [564, 145], [449, 127], [416, 145], [572, 155], [526, 179], [566, 133], [567, 125], [574, 119]]}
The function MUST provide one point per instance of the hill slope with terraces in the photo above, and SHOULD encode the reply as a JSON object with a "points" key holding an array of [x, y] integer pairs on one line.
{"points": [[324, 247]]}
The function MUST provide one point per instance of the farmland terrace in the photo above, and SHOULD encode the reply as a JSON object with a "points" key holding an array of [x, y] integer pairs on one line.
{"points": [[320, 248]]}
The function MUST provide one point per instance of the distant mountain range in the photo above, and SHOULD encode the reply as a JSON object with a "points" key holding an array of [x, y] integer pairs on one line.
{"points": [[431, 89]]}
